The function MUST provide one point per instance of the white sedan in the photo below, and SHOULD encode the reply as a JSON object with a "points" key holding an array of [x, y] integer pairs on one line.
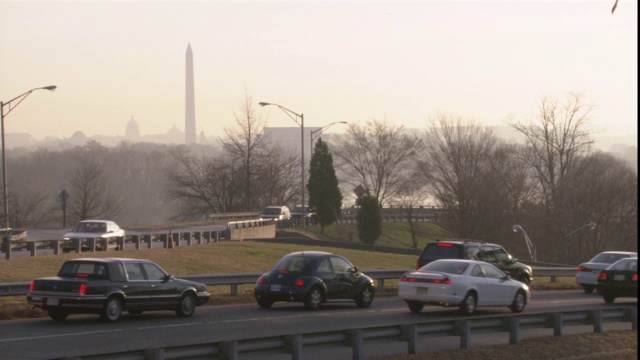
{"points": [[467, 284], [587, 274], [95, 229]]}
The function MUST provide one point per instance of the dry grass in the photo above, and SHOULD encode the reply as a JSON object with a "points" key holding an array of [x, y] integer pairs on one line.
{"points": [[612, 345]]}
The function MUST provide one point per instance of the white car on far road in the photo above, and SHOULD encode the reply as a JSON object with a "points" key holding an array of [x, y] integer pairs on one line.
{"points": [[95, 229]]}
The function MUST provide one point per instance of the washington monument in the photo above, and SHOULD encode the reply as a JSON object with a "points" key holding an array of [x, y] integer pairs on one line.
{"points": [[190, 102]]}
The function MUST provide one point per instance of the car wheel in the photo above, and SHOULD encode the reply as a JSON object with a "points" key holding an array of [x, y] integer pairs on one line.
{"points": [[468, 305], [588, 288], [187, 305], [415, 306], [365, 298], [265, 304], [58, 315], [314, 299], [519, 302], [112, 310], [609, 298]]}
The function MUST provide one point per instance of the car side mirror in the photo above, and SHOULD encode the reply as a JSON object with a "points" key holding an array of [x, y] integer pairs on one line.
{"points": [[166, 278], [355, 269]]}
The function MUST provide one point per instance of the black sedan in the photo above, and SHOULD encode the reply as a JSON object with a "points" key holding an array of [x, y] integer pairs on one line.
{"points": [[620, 279], [313, 277], [109, 286]]}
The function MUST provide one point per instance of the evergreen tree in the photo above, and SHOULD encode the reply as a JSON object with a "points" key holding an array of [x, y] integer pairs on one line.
{"points": [[325, 198], [369, 219]]}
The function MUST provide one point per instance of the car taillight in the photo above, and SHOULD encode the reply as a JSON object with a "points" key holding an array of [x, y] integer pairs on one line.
{"points": [[83, 289], [33, 286], [299, 282], [445, 245], [445, 281], [635, 277], [602, 276], [583, 269], [262, 280]]}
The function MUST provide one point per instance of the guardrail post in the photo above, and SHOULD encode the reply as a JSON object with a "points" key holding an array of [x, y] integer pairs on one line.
{"points": [[356, 343], [556, 319], [149, 241], [6, 245], [234, 289], [294, 342], [229, 350], [136, 241], [381, 284], [56, 246], [410, 334], [464, 331], [514, 330], [189, 237], [77, 245], [632, 313], [154, 354], [32, 247], [596, 317], [120, 243]]}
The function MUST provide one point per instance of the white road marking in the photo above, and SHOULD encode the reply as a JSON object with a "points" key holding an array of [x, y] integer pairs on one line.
{"points": [[61, 335]]}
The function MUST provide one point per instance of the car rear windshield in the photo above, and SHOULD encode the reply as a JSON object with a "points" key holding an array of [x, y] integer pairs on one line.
{"points": [[293, 263], [604, 258], [435, 251], [84, 269], [448, 267]]}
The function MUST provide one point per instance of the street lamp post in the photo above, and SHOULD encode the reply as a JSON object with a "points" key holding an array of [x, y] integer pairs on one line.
{"points": [[591, 225], [319, 132], [295, 116], [532, 248], [19, 99]]}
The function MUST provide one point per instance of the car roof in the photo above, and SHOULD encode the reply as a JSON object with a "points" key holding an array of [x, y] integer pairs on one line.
{"points": [[461, 241], [466, 261], [95, 221], [107, 260], [314, 254], [619, 252]]}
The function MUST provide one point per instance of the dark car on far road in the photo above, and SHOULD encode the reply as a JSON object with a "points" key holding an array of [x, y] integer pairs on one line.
{"points": [[620, 279], [109, 286], [314, 277], [494, 254]]}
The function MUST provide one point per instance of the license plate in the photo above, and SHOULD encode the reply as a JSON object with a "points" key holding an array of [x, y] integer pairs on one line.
{"points": [[618, 277], [53, 302], [422, 290], [275, 287]]}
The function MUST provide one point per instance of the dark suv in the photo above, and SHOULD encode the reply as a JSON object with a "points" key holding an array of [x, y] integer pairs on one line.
{"points": [[476, 250]]}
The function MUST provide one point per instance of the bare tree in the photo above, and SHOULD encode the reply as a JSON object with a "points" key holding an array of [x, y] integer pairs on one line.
{"points": [[412, 194], [555, 140], [90, 196], [196, 185], [278, 177], [470, 173], [246, 144], [377, 157]]}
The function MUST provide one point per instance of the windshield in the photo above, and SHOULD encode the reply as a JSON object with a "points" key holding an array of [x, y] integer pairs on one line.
{"points": [[84, 269], [449, 267], [94, 227], [607, 258]]}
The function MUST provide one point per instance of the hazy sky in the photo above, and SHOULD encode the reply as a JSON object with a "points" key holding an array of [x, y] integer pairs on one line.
{"points": [[353, 61]]}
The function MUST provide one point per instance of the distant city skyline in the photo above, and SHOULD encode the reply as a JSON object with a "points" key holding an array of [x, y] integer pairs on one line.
{"points": [[331, 60]]}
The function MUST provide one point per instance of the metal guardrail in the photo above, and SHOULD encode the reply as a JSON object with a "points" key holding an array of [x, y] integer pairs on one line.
{"points": [[411, 334], [236, 279]]}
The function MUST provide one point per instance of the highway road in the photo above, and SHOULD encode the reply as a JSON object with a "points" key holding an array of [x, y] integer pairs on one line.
{"points": [[86, 334]]}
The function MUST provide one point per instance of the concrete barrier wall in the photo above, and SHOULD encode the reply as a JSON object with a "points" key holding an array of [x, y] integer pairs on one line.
{"points": [[251, 229]]}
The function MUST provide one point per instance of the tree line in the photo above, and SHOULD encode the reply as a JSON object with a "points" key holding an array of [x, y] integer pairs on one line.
{"points": [[551, 185]]}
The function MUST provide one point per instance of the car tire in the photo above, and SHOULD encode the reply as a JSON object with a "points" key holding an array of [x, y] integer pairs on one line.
{"points": [[58, 315], [519, 302], [588, 288], [112, 310], [468, 305], [313, 299], [187, 305], [365, 297], [415, 306], [609, 298], [265, 304]]}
